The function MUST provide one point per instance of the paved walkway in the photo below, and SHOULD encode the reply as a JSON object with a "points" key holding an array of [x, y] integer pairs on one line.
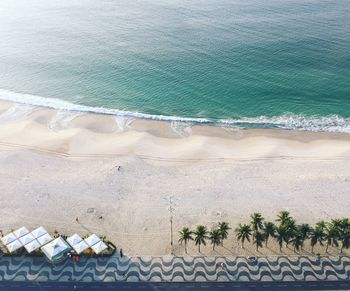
{"points": [[174, 286], [156, 269]]}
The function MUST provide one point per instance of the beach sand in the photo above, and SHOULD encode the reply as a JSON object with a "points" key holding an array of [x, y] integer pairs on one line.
{"points": [[54, 169]]}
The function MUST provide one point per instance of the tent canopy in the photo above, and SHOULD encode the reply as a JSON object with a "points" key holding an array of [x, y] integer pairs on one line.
{"points": [[74, 240], [8, 238], [26, 239], [13, 246], [80, 247], [40, 231], [92, 239], [99, 247], [55, 249], [44, 239], [21, 232], [32, 246]]}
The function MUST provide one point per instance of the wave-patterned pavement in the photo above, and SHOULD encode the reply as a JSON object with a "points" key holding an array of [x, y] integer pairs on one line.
{"points": [[170, 268]]}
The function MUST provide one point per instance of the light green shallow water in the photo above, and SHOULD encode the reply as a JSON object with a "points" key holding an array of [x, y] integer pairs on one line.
{"points": [[279, 63]]}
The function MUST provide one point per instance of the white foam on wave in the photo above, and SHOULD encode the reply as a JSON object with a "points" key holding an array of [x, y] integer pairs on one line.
{"points": [[331, 123], [122, 123], [183, 129], [63, 119], [65, 105], [15, 112], [181, 125]]}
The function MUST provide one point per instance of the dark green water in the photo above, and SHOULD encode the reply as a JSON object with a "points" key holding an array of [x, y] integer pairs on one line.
{"points": [[279, 63]]}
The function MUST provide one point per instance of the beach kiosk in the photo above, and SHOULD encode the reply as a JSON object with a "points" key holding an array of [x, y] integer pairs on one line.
{"points": [[56, 250]]}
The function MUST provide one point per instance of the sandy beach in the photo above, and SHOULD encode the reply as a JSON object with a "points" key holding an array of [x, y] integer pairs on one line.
{"points": [[55, 167]]}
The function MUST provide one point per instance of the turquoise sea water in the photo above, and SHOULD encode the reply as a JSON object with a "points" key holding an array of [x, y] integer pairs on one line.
{"points": [[277, 63]]}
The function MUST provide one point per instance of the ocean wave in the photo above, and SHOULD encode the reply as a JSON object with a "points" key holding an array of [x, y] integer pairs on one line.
{"points": [[59, 104], [330, 123]]}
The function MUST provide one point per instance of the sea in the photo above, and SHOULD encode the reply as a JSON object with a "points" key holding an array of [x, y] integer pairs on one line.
{"points": [[235, 63]]}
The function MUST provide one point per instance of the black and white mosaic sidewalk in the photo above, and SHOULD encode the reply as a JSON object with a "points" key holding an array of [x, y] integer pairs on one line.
{"points": [[138, 269]]}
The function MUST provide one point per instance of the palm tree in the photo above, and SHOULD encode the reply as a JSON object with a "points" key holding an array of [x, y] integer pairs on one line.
{"points": [[344, 223], [257, 221], [331, 236], [281, 235], [297, 240], [215, 237], [345, 240], [321, 224], [343, 226], [317, 236], [337, 222], [291, 226], [185, 236], [305, 230], [201, 234], [269, 231], [223, 229], [258, 239], [243, 232], [283, 217]]}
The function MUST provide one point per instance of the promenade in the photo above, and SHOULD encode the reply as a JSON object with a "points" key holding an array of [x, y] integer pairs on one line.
{"points": [[176, 269]]}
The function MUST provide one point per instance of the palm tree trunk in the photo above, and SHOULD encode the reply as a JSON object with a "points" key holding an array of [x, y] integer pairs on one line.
{"points": [[213, 247], [326, 248], [185, 247], [266, 241], [199, 247], [312, 249]]}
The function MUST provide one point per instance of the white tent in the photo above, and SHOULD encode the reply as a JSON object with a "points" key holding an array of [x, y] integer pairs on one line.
{"points": [[13, 246], [55, 249], [92, 239], [21, 232], [99, 247], [74, 240], [44, 239], [80, 247], [26, 239], [8, 238], [32, 246], [40, 231]]}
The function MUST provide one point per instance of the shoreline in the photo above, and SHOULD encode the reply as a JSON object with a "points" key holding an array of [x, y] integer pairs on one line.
{"points": [[114, 136], [54, 168], [286, 121]]}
